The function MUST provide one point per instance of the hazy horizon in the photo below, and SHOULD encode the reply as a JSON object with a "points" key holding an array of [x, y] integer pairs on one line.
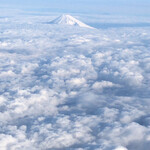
{"points": [[123, 7]]}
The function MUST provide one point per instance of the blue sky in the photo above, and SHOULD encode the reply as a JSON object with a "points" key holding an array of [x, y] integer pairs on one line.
{"points": [[130, 7]]}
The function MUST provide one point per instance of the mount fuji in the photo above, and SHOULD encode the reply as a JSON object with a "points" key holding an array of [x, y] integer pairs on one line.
{"points": [[69, 20]]}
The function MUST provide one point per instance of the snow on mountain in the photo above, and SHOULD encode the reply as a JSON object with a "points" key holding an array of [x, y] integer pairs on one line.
{"points": [[69, 20]]}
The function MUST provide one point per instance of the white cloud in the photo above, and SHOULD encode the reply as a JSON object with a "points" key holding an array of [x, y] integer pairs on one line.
{"points": [[99, 86], [120, 148], [73, 89], [2, 100]]}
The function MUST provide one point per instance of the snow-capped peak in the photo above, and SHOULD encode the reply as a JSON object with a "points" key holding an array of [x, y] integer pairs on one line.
{"points": [[69, 20]]}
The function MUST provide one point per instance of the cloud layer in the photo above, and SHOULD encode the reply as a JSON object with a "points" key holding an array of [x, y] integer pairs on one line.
{"points": [[73, 88]]}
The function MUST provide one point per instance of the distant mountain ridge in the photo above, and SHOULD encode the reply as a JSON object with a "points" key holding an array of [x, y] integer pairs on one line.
{"points": [[69, 20]]}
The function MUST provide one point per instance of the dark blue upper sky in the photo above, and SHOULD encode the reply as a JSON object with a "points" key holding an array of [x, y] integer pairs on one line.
{"points": [[133, 7]]}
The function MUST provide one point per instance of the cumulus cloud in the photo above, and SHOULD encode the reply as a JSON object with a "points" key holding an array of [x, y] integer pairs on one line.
{"points": [[73, 88], [120, 148], [99, 86]]}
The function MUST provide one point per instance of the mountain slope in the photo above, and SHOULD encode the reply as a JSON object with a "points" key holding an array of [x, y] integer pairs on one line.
{"points": [[69, 20]]}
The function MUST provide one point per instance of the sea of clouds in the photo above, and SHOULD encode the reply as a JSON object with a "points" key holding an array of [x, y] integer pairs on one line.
{"points": [[70, 88]]}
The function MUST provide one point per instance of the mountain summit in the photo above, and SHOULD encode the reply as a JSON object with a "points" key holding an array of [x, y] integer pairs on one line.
{"points": [[69, 20]]}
